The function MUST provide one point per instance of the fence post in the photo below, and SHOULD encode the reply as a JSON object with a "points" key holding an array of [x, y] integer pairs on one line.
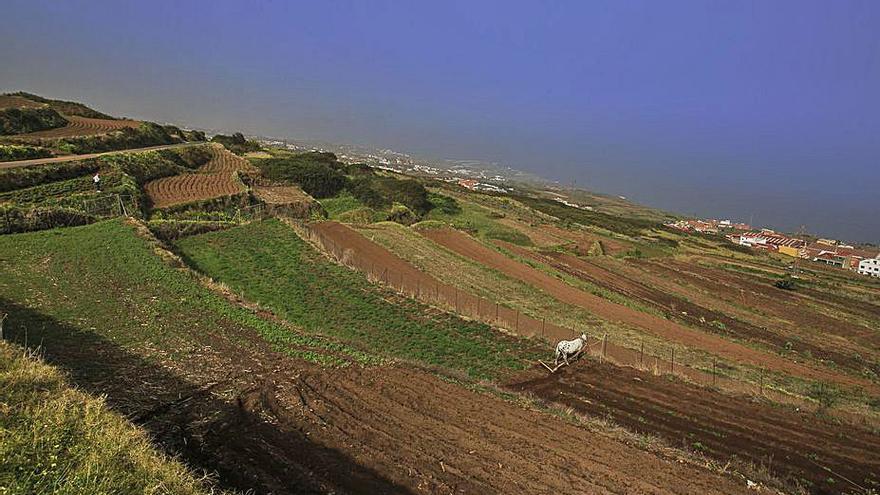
{"points": [[672, 362], [517, 321], [713, 370], [604, 346], [418, 289], [642, 355], [762, 382], [456, 300], [496, 313], [543, 325]]}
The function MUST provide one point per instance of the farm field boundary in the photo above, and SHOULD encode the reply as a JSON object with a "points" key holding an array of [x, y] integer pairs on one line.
{"points": [[673, 332], [380, 265]]}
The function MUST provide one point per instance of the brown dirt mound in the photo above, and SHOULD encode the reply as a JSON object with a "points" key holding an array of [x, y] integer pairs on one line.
{"points": [[82, 126], [470, 248], [791, 444]]}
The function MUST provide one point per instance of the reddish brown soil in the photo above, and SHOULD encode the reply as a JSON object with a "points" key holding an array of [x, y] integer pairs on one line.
{"points": [[678, 308], [82, 126], [214, 179], [281, 194], [584, 241], [669, 330], [789, 443], [267, 423], [785, 305]]}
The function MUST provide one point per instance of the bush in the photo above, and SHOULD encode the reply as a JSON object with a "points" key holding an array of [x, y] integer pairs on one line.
{"points": [[826, 394], [22, 177], [402, 215], [445, 204], [621, 225], [171, 230], [14, 220], [24, 120], [381, 192], [191, 157], [786, 284], [12, 152], [313, 176], [147, 134], [236, 143]]}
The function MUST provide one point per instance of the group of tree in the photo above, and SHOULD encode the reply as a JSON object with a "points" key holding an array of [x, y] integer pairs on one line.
{"points": [[236, 143], [24, 120]]}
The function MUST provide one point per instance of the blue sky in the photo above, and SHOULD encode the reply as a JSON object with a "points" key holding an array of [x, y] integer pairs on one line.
{"points": [[768, 109]]}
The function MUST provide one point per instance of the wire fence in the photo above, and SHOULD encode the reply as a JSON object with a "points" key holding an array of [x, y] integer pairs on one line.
{"points": [[406, 279]]}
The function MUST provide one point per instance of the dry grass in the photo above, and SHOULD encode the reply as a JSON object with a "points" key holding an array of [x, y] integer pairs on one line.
{"points": [[56, 439]]}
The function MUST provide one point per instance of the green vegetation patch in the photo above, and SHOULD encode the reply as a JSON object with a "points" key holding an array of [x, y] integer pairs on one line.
{"points": [[632, 227], [55, 439], [236, 143], [476, 219], [25, 120], [12, 152], [103, 279], [268, 263], [146, 134]]}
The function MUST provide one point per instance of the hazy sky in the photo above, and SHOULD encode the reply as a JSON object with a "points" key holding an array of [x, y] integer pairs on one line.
{"points": [[733, 109]]}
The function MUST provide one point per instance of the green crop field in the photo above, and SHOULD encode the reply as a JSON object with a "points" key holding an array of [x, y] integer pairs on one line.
{"points": [[268, 263], [123, 292]]}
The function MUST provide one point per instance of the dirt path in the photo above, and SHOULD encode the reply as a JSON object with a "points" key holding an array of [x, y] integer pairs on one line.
{"points": [[73, 158], [791, 444], [214, 179], [470, 248]]}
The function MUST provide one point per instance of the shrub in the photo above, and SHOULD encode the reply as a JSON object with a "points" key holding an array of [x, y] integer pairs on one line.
{"points": [[401, 214], [381, 192], [445, 204], [191, 157], [14, 219], [12, 152], [24, 120], [314, 177], [170, 230], [621, 225], [236, 143], [825, 393], [146, 134], [786, 284], [22, 177]]}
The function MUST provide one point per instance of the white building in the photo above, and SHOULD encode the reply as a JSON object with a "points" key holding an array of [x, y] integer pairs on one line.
{"points": [[870, 267]]}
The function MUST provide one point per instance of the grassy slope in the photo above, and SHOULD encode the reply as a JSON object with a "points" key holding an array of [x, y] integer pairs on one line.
{"points": [[102, 278], [55, 439], [269, 264], [476, 218]]}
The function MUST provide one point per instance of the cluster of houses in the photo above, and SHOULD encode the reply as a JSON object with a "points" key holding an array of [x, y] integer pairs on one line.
{"points": [[827, 251], [711, 226]]}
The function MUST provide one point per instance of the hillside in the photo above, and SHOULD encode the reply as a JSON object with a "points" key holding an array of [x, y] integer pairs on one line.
{"points": [[57, 439], [298, 322]]}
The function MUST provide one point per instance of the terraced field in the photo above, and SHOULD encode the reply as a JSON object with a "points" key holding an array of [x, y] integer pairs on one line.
{"points": [[214, 179], [82, 126], [238, 390]]}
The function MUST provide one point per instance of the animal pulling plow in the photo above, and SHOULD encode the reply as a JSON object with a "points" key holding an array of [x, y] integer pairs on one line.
{"points": [[566, 352]]}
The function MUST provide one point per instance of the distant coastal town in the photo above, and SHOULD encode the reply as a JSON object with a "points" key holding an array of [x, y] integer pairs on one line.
{"points": [[832, 252]]}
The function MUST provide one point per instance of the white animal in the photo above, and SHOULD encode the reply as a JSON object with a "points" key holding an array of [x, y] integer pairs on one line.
{"points": [[570, 348]]}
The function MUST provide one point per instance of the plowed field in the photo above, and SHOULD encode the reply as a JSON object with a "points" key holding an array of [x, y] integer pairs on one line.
{"points": [[795, 445], [214, 179], [680, 308], [470, 248], [82, 126]]}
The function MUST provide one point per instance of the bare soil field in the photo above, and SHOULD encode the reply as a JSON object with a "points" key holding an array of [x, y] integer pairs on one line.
{"points": [[178, 189], [788, 443], [214, 179], [281, 194], [584, 241], [803, 320], [680, 308], [82, 126], [466, 246]]}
